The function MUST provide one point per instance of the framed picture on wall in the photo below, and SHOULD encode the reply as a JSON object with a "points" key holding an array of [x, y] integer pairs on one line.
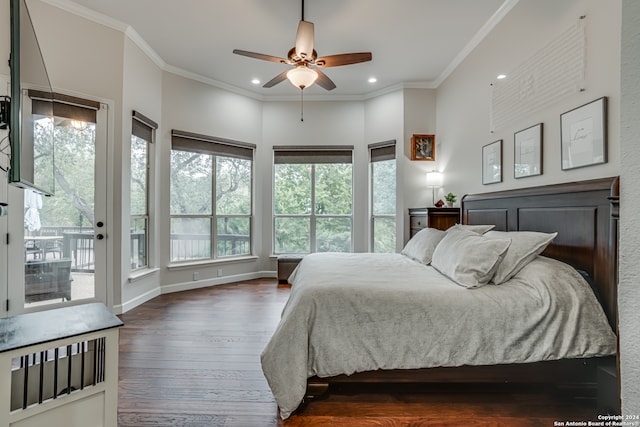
{"points": [[527, 152], [492, 162], [423, 147], [583, 135]]}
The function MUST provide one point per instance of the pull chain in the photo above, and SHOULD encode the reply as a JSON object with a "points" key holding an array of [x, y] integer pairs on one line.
{"points": [[302, 105]]}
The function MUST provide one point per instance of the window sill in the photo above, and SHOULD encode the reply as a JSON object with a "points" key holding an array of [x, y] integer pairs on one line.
{"points": [[141, 274], [189, 264]]}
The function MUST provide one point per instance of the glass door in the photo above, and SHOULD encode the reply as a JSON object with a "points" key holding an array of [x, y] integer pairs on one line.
{"points": [[63, 239]]}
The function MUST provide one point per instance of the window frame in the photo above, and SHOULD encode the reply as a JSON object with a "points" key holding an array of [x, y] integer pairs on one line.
{"points": [[378, 152], [144, 129], [215, 147], [322, 155]]}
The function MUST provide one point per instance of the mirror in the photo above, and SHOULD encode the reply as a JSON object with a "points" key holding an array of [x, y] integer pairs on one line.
{"points": [[31, 114]]}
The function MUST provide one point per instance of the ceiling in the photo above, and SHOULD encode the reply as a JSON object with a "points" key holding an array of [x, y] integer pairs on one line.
{"points": [[415, 43]]}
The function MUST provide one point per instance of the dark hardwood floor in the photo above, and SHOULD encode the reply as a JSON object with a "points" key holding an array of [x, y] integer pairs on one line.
{"points": [[193, 359]]}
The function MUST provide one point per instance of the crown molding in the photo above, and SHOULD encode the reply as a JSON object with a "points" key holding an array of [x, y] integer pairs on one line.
{"points": [[477, 38], [137, 39], [133, 35], [89, 14], [212, 82]]}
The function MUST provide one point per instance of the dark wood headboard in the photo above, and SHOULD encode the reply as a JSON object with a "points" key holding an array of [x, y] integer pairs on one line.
{"points": [[585, 215]]}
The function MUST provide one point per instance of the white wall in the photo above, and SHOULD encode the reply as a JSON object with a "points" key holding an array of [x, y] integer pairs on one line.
{"points": [[419, 118], [325, 123], [142, 92], [384, 117], [463, 100], [629, 290], [199, 108], [81, 56]]}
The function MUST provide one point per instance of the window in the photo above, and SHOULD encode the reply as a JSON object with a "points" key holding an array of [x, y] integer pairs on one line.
{"points": [[141, 139], [313, 199], [382, 157], [211, 197]]}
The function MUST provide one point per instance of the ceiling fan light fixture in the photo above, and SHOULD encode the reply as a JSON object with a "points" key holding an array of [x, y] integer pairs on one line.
{"points": [[302, 77]]}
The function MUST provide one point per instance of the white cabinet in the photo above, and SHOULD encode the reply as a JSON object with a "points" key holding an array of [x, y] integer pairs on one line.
{"points": [[60, 368]]}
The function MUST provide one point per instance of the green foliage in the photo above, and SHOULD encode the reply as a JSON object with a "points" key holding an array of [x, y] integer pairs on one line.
{"points": [[384, 203], [292, 189], [450, 197], [139, 174], [192, 186], [73, 171], [332, 201], [292, 235], [333, 189], [333, 234], [384, 187], [384, 235], [191, 183], [233, 186]]}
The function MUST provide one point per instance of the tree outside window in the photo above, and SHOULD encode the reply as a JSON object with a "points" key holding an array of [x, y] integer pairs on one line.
{"points": [[313, 201], [139, 202], [211, 200], [383, 197], [142, 133]]}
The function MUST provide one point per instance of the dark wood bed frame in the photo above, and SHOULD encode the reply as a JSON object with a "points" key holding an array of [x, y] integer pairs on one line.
{"points": [[585, 215]]}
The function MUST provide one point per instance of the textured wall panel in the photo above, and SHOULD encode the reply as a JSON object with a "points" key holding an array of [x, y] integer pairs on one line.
{"points": [[549, 75]]}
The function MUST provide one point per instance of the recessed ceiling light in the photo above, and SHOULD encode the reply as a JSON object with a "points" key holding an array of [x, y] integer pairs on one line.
{"points": [[255, 81], [501, 76], [372, 80]]}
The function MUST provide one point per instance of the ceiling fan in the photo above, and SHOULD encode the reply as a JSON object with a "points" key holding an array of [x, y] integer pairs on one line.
{"points": [[305, 60]]}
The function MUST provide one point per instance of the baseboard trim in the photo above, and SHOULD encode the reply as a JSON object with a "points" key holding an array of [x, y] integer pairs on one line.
{"points": [[186, 286], [134, 302]]}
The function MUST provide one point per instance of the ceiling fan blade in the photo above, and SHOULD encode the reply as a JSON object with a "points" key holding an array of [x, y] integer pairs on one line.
{"points": [[343, 59], [324, 81], [277, 79], [304, 39], [260, 56]]}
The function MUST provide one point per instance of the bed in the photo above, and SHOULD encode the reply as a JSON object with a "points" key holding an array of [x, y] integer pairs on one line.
{"points": [[391, 318]]}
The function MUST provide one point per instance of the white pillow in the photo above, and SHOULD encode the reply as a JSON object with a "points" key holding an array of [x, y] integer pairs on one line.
{"points": [[480, 229], [469, 258], [422, 245], [525, 246]]}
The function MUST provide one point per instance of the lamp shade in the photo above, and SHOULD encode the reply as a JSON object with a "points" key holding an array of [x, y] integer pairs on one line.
{"points": [[434, 179], [302, 77]]}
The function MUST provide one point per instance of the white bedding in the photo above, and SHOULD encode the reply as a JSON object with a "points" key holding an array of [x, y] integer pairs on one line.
{"points": [[350, 313]]}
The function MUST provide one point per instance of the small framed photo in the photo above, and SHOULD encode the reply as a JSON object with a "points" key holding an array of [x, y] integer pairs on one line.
{"points": [[423, 147], [492, 162], [527, 152], [583, 135]]}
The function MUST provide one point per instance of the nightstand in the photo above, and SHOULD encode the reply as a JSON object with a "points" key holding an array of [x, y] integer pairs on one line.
{"points": [[440, 218], [286, 264]]}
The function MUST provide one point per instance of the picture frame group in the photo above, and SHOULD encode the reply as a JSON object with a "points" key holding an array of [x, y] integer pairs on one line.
{"points": [[583, 142]]}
